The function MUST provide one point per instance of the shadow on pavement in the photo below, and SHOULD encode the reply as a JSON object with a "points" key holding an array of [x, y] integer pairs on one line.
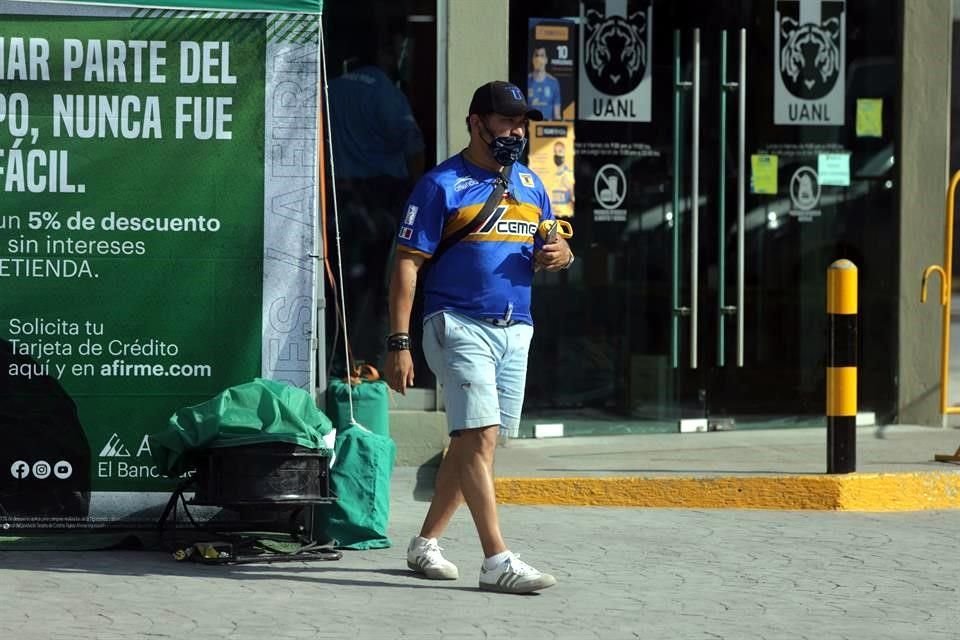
{"points": [[426, 479], [144, 564]]}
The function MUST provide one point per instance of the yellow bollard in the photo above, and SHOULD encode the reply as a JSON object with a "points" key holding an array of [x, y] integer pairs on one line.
{"points": [[842, 367]]}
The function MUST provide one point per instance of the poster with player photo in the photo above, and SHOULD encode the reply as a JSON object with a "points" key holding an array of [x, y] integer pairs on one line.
{"points": [[551, 157], [552, 56]]}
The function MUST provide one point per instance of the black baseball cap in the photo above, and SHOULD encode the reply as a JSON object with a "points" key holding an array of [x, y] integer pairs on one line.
{"points": [[503, 98]]}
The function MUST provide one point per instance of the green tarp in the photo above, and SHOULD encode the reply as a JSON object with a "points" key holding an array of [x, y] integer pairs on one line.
{"points": [[275, 6], [371, 405], [360, 517], [261, 411]]}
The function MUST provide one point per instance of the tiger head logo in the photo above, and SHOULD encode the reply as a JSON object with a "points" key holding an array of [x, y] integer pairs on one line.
{"points": [[809, 57], [615, 53]]}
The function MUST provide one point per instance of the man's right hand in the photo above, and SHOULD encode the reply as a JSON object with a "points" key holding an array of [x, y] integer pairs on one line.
{"points": [[399, 370]]}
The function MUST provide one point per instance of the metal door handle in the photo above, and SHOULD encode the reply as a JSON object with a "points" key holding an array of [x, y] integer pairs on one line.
{"points": [[723, 309], [679, 87], [695, 201], [725, 88], [741, 187], [685, 311]]}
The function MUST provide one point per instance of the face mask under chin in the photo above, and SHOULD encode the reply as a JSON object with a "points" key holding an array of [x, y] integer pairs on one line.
{"points": [[506, 150]]}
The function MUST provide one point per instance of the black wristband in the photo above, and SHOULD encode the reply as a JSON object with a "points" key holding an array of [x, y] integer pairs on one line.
{"points": [[398, 342]]}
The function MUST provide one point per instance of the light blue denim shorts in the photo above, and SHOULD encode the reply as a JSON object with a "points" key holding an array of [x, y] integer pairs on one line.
{"points": [[481, 367]]}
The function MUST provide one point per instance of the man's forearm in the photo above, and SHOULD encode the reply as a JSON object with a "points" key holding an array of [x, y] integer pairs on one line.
{"points": [[403, 286]]}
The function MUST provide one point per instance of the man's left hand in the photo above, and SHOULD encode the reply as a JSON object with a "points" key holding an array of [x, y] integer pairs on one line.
{"points": [[554, 256]]}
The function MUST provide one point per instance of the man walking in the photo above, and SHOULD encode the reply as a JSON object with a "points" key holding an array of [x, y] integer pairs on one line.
{"points": [[476, 217]]}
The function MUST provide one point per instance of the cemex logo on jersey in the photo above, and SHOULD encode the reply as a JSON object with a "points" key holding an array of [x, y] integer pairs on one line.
{"points": [[496, 224]]}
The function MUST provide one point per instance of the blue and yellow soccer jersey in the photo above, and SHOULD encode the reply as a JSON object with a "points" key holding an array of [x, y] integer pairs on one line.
{"points": [[488, 273]]}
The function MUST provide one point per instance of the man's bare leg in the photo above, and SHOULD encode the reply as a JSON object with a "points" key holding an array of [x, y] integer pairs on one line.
{"points": [[466, 473], [474, 460]]}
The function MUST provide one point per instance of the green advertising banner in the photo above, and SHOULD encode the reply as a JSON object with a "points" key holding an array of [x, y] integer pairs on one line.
{"points": [[157, 179], [296, 6]]}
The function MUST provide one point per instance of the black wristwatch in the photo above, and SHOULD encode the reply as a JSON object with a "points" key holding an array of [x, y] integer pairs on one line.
{"points": [[398, 342]]}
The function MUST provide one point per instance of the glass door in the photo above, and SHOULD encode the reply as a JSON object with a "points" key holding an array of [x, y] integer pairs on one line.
{"points": [[704, 228], [698, 192]]}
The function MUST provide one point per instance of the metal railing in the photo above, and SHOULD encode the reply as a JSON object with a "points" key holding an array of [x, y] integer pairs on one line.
{"points": [[946, 295], [946, 284]]}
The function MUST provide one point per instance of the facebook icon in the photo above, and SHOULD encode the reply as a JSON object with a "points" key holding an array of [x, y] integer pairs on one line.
{"points": [[20, 469]]}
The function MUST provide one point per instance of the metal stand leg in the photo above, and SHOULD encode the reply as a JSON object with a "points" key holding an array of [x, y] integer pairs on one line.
{"points": [[946, 457]]}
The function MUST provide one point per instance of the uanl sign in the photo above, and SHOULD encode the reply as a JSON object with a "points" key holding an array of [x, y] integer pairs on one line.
{"points": [[616, 65], [810, 50]]}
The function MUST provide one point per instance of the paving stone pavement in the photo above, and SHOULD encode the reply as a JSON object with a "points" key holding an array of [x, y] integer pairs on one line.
{"points": [[623, 573]]}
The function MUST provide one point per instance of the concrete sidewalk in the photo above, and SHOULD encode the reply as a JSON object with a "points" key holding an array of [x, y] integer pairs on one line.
{"points": [[624, 573], [770, 469]]}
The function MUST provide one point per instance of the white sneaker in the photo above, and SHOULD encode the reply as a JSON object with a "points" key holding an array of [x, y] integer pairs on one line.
{"points": [[424, 557], [513, 575]]}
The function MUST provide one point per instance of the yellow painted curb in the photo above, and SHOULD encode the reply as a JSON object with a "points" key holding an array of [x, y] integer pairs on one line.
{"points": [[853, 492]]}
